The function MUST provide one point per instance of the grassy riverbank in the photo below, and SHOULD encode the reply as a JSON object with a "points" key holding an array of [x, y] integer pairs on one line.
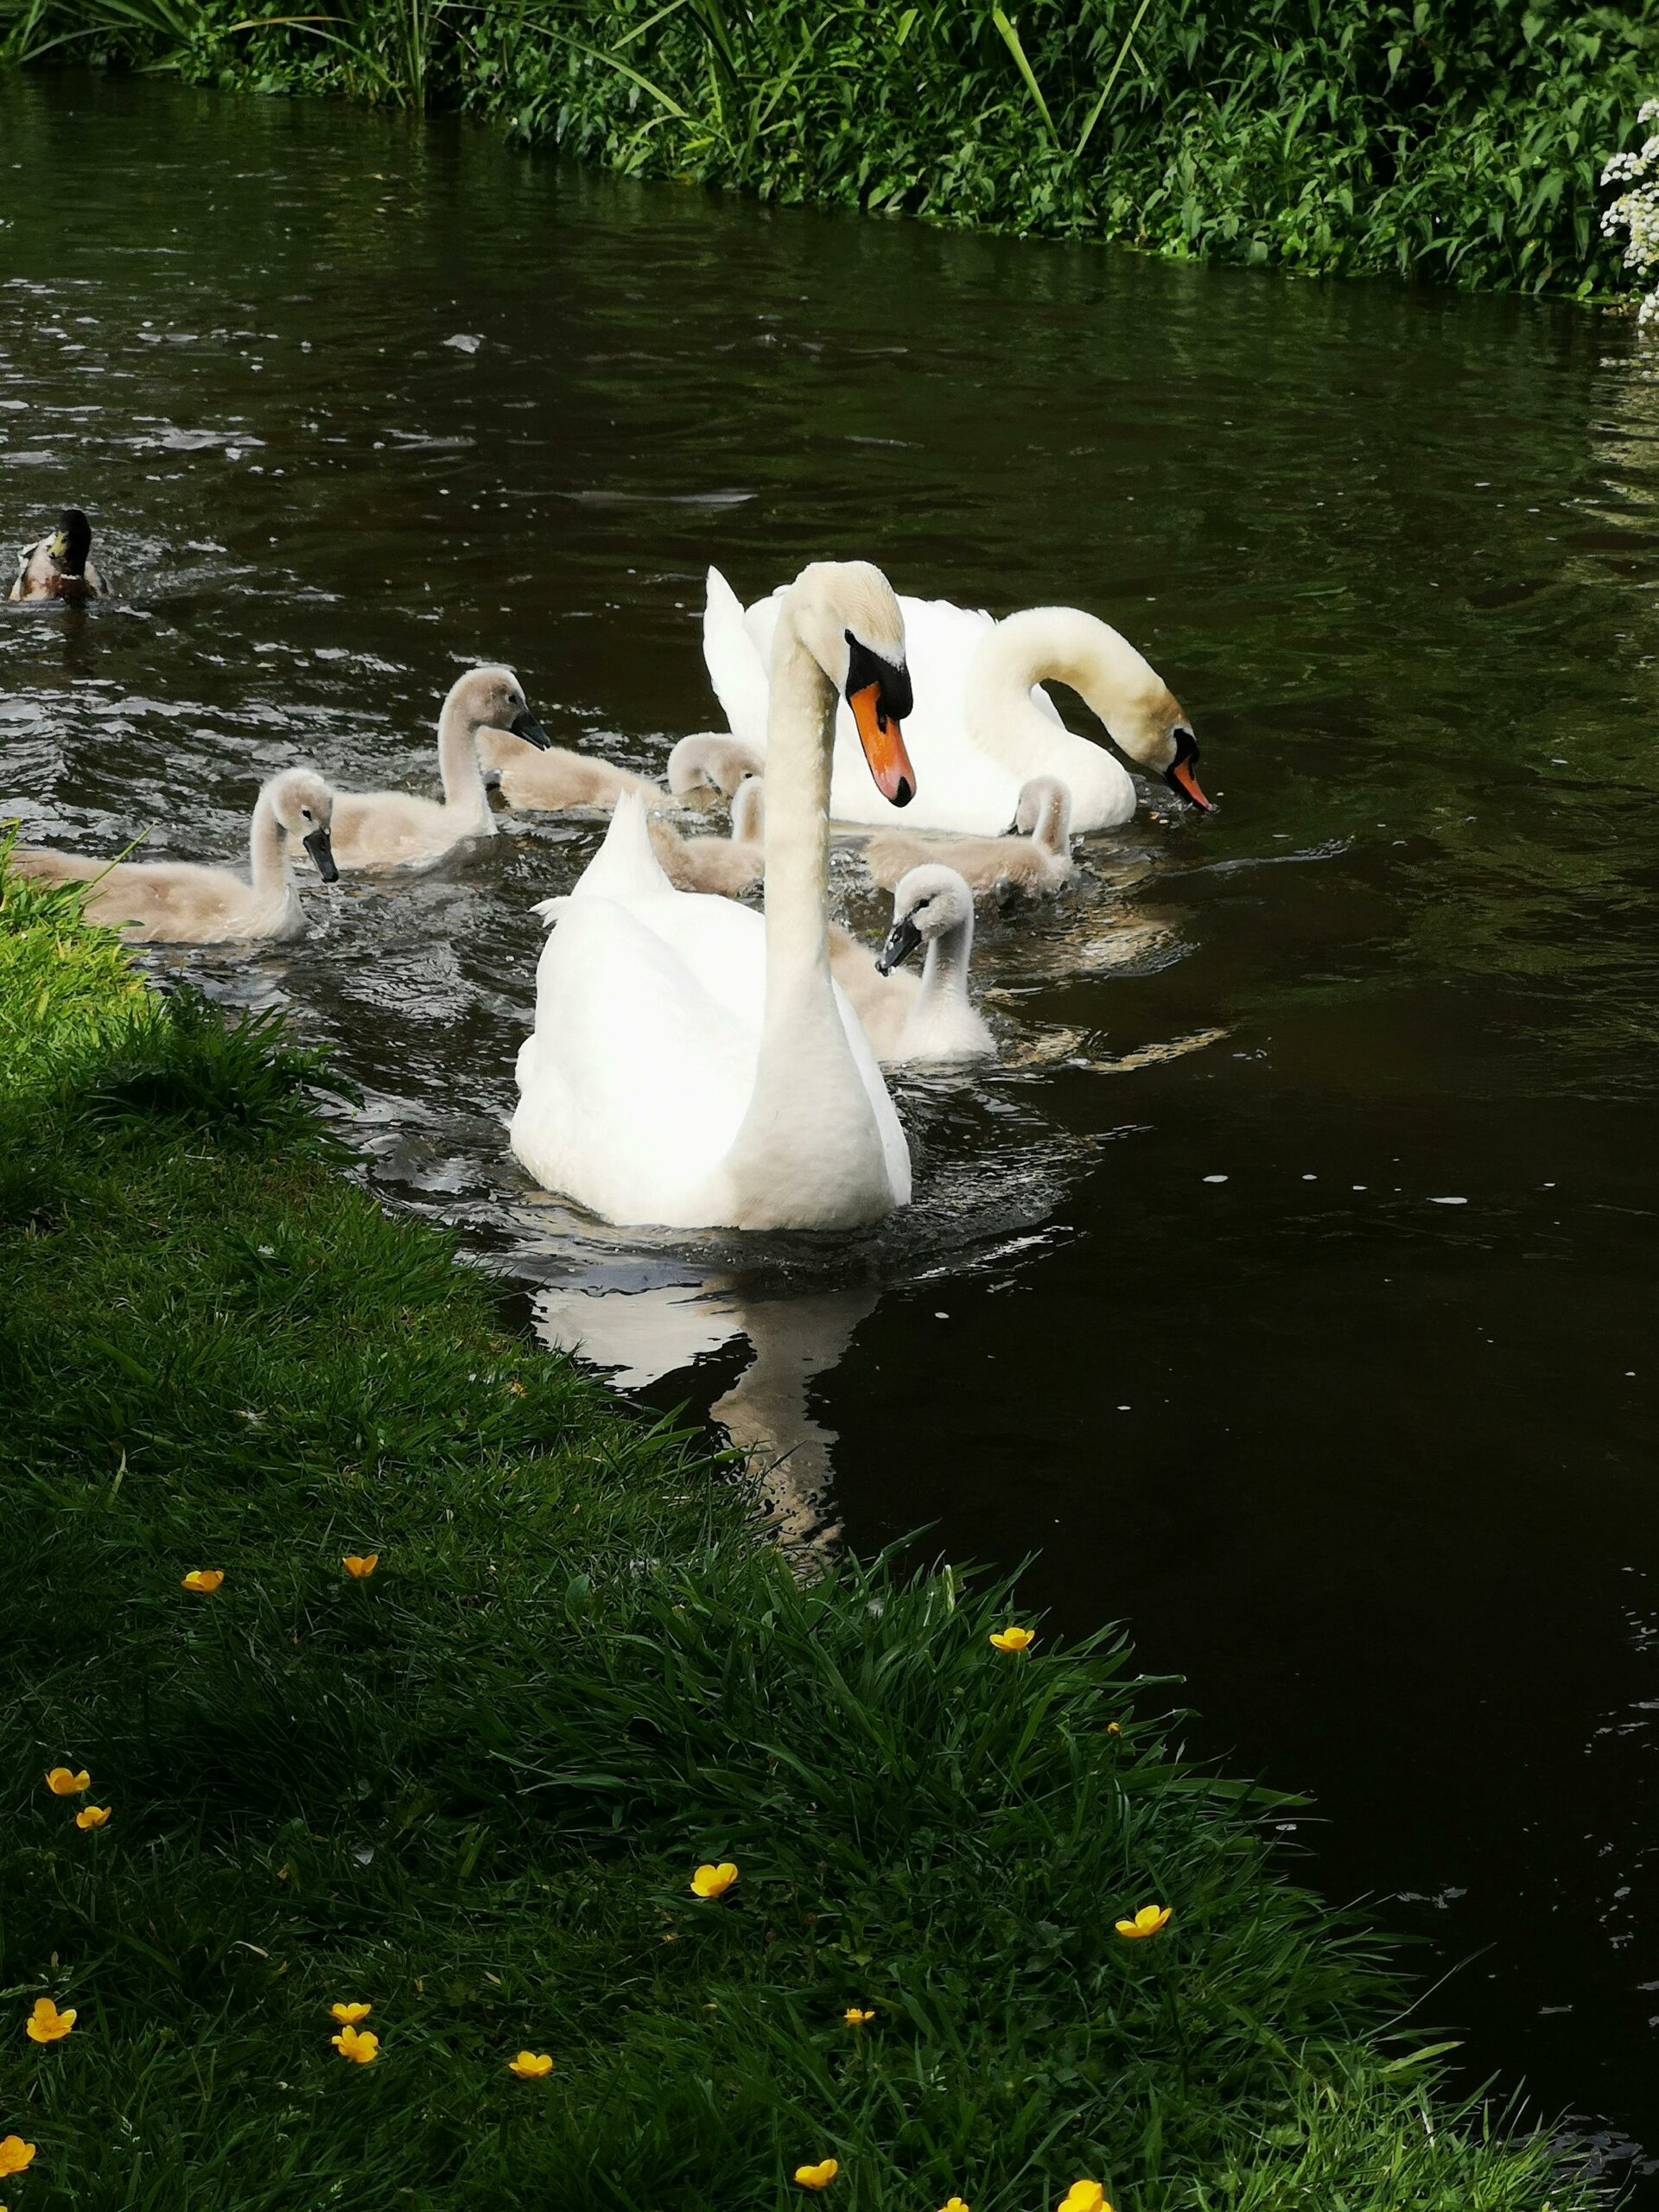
{"points": [[471, 1789], [1461, 141]]}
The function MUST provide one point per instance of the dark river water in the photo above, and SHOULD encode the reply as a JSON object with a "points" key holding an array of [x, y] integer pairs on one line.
{"points": [[1286, 1288]]}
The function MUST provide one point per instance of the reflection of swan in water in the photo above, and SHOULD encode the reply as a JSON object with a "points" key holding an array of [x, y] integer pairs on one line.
{"points": [[643, 1335]]}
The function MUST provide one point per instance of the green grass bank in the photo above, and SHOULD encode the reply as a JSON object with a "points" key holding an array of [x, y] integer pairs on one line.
{"points": [[471, 1790], [1459, 139]]}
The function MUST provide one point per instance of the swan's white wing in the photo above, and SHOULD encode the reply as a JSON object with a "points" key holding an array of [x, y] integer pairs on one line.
{"points": [[638, 1078], [736, 670], [895, 1153], [625, 867], [761, 621]]}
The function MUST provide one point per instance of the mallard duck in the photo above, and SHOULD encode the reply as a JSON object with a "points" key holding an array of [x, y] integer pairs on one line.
{"points": [[59, 567]]}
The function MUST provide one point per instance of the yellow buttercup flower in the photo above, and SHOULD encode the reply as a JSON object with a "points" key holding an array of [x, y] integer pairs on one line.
{"points": [[93, 1816], [1014, 1639], [360, 1565], [204, 1579], [1147, 1921], [360, 2046], [856, 2017], [954, 2205], [62, 1782], [818, 2176], [349, 2015], [1113, 1729], [714, 1881], [15, 2154], [530, 2065], [45, 2024], [1084, 2196]]}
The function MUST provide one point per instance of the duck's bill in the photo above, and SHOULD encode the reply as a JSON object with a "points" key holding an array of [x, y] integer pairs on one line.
{"points": [[527, 727], [322, 852], [902, 940], [58, 546], [883, 740], [1182, 779]]}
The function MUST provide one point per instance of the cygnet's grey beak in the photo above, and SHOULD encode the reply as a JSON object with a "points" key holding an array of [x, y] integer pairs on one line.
{"points": [[525, 724], [317, 844], [902, 940]]}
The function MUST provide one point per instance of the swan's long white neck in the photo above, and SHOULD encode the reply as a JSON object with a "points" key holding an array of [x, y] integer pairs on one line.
{"points": [[810, 1130], [458, 764], [269, 869], [1060, 644]]}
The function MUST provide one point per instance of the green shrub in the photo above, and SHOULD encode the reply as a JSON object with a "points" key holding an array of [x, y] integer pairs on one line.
{"points": [[1460, 138]]}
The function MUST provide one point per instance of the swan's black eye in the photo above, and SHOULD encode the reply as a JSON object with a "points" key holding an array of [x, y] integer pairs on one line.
{"points": [[306, 811]]}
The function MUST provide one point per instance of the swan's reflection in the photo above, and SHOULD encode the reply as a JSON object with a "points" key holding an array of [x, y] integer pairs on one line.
{"points": [[639, 1335]]}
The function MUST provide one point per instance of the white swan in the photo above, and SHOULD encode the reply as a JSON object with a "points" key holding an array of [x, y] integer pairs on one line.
{"points": [[983, 726], [1036, 862], [693, 1064], [397, 829], [933, 1018], [731, 865], [177, 902]]}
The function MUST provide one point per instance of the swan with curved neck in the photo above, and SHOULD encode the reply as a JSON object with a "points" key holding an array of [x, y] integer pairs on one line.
{"points": [[179, 902], [693, 1065], [398, 828], [986, 726]]}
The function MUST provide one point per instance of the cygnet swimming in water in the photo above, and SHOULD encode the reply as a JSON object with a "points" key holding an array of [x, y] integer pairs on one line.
{"points": [[925, 1018], [1035, 864]]}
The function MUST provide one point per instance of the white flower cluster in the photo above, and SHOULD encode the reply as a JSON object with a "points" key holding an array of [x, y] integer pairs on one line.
{"points": [[1635, 211]]}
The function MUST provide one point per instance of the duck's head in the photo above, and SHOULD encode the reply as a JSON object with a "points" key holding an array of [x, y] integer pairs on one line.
{"points": [[494, 698], [848, 620], [305, 807], [931, 901], [72, 542]]}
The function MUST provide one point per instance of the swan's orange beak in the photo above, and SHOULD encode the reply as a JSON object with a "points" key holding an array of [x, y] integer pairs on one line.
{"points": [[883, 740], [1182, 771]]}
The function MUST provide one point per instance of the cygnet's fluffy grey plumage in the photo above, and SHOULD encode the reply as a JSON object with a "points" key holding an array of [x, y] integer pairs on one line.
{"points": [[398, 828], [177, 902], [907, 1018], [1032, 864], [551, 778], [730, 865], [708, 764]]}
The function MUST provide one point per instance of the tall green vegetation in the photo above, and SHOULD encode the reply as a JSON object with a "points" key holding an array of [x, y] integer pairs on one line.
{"points": [[1460, 138], [469, 1790]]}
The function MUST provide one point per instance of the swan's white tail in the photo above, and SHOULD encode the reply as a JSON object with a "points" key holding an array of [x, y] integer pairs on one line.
{"points": [[624, 866], [735, 668]]}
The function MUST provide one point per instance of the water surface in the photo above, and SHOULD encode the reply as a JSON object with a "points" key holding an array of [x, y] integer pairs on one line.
{"points": [[1286, 1288]]}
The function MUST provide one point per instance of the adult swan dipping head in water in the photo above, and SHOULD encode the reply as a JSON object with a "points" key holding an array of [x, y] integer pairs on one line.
{"points": [[694, 1065], [985, 726]]}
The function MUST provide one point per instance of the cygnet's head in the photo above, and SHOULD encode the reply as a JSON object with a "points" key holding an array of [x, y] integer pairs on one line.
{"points": [[709, 762], [305, 807], [494, 698], [929, 903], [1045, 812], [749, 811], [845, 614]]}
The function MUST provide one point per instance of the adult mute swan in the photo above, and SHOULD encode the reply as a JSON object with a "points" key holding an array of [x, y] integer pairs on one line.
{"points": [[984, 726], [175, 902], [693, 1064], [1035, 862], [397, 829], [59, 567], [933, 1018]]}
